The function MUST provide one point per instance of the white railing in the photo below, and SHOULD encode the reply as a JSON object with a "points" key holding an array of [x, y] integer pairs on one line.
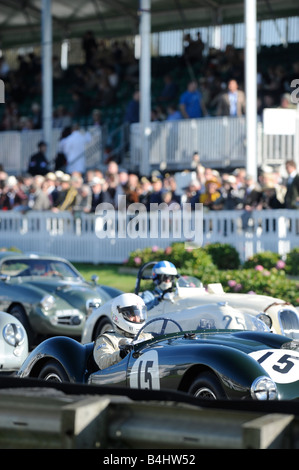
{"points": [[80, 239], [220, 141], [17, 148]]}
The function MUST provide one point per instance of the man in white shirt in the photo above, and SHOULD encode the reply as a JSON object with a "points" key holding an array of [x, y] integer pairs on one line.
{"points": [[73, 147]]}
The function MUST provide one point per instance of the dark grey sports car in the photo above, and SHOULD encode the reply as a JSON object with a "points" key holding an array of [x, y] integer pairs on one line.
{"points": [[48, 295]]}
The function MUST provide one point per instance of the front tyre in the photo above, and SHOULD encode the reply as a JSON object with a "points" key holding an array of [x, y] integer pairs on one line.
{"points": [[101, 327], [53, 372], [207, 387]]}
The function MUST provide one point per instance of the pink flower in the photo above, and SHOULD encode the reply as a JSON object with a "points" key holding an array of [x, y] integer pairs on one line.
{"points": [[259, 267], [155, 248], [168, 250], [137, 260], [238, 287], [251, 292], [232, 283], [266, 273], [280, 264]]}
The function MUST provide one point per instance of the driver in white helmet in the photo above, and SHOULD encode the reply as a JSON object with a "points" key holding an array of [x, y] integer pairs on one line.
{"points": [[128, 315], [164, 274]]}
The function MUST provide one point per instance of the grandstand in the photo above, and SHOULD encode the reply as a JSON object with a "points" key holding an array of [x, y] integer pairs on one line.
{"points": [[281, 49]]}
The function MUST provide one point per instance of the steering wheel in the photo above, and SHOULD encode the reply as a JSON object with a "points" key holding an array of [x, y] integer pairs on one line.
{"points": [[163, 328]]}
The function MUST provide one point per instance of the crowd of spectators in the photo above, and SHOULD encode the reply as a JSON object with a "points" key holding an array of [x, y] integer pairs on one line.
{"points": [[81, 193], [216, 90], [94, 84]]}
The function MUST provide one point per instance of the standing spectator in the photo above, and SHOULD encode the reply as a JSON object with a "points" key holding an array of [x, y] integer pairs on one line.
{"points": [[156, 195], [172, 113], [38, 197], [38, 164], [211, 194], [191, 104], [252, 199], [132, 109], [13, 197], [169, 91], [96, 185], [253, 194], [113, 189], [73, 148], [232, 102], [291, 199], [89, 46], [192, 193], [83, 200]]}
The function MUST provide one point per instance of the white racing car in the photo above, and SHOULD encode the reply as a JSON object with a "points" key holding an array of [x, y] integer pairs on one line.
{"points": [[189, 293], [13, 344]]}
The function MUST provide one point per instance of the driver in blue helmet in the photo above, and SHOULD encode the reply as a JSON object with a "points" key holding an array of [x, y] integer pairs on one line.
{"points": [[163, 275]]}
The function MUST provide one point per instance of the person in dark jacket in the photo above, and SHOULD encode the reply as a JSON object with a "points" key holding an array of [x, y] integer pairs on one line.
{"points": [[38, 164], [291, 199]]}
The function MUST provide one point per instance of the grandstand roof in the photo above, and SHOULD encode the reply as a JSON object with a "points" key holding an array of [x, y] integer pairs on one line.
{"points": [[116, 18]]}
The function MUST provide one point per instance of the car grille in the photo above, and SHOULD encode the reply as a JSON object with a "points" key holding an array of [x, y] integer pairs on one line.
{"points": [[68, 317]]}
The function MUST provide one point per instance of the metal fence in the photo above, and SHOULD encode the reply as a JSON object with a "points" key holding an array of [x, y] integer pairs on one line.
{"points": [[86, 239], [17, 148], [220, 141]]}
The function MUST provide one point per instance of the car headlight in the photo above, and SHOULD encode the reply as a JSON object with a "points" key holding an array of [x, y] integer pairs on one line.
{"points": [[91, 304], [266, 319], [47, 302], [263, 388], [13, 334]]}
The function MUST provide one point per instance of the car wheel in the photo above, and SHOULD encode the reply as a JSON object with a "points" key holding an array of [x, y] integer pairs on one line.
{"points": [[53, 372], [207, 387], [101, 327], [19, 313]]}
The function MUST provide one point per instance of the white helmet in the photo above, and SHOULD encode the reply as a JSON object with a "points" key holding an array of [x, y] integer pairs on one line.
{"points": [[129, 313], [164, 273]]}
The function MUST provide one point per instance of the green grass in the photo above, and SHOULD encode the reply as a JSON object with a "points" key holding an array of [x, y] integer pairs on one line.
{"points": [[108, 275]]}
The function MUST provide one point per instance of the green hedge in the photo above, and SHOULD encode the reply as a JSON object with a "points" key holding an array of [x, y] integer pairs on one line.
{"points": [[264, 273]]}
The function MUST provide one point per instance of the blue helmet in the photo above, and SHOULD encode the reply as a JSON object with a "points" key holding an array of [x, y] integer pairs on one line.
{"points": [[163, 274]]}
